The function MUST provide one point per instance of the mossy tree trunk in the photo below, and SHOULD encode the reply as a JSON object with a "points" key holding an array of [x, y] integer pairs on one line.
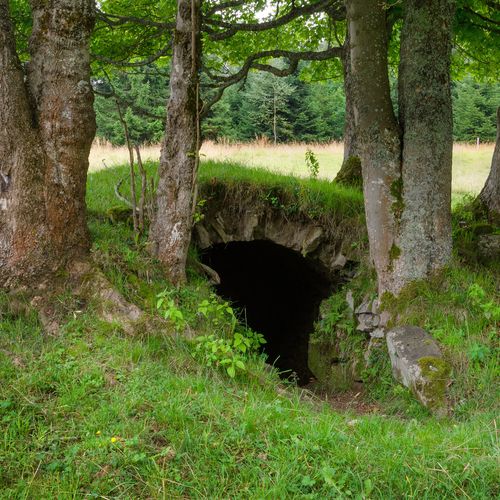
{"points": [[46, 129], [490, 194], [176, 194], [426, 120], [407, 164]]}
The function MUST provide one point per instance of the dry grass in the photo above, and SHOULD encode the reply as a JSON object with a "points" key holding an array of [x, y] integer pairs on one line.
{"points": [[470, 164], [104, 155]]}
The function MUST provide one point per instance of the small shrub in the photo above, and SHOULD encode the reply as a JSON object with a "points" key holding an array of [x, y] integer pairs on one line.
{"points": [[169, 309], [229, 354], [312, 164]]}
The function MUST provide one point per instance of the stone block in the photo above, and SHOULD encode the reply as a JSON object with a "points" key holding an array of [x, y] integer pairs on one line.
{"points": [[417, 362]]}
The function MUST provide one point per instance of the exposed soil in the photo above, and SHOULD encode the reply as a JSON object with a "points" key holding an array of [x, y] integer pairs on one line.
{"points": [[354, 400]]}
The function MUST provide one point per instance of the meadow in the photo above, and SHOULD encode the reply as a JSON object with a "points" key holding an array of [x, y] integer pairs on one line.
{"points": [[97, 413], [471, 164]]}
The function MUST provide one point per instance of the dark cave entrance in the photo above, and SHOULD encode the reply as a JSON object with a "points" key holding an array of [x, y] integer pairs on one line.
{"points": [[278, 292]]}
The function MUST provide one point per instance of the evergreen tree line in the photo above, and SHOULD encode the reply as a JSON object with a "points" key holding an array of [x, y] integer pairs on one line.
{"points": [[279, 109]]}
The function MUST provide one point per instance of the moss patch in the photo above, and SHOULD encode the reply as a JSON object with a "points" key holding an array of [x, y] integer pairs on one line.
{"points": [[394, 252], [350, 173], [396, 191], [435, 372]]}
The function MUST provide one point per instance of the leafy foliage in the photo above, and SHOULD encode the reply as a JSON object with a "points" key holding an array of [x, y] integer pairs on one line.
{"points": [[474, 110], [142, 98], [231, 345], [312, 164], [304, 112]]}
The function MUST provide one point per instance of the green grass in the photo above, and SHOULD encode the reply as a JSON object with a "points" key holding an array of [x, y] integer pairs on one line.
{"points": [[96, 413], [470, 164], [315, 197], [325, 194]]}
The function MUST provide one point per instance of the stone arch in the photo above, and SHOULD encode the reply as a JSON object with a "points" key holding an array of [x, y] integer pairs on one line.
{"points": [[306, 236]]}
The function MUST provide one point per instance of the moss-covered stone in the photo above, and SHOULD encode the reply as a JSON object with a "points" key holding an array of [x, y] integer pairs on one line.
{"points": [[417, 362], [331, 371]]}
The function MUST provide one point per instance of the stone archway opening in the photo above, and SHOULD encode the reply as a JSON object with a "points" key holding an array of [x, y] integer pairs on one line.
{"points": [[278, 293]]}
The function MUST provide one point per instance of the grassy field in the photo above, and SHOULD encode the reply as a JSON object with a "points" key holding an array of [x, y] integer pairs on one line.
{"points": [[470, 164], [94, 413]]}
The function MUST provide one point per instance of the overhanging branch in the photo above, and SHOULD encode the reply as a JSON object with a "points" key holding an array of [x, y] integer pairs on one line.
{"points": [[221, 83], [333, 6]]}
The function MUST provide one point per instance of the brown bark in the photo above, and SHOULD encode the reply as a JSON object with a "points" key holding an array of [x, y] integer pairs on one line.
{"points": [[490, 194], [24, 238], [59, 80], [46, 130], [407, 180], [171, 231]]}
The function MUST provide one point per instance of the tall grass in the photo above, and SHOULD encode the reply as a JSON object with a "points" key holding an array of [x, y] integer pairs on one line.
{"points": [[471, 164]]}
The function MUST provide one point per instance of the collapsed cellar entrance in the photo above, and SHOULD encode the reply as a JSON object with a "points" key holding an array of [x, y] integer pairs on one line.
{"points": [[278, 292]]}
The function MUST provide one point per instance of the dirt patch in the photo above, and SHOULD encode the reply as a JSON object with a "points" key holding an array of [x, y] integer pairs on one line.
{"points": [[353, 401]]}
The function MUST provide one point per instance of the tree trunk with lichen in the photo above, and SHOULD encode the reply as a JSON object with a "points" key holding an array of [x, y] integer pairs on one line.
{"points": [[490, 194], [407, 165], [378, 133], [176, 193], [426, 120], [46, 129]]}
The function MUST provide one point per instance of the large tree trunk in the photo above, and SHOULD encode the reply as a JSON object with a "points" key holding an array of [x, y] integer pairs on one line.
{"points": [[490, 194], [59, 80], [426, 118], [378, 132], [46, 130], [24, 240], [47, 126], [176, 197], [407, 183]]}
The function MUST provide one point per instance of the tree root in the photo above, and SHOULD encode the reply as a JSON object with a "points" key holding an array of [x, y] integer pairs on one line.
{"points": [[85, 284], [89, 282]]}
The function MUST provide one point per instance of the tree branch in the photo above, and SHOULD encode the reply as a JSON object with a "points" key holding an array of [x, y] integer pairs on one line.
{"points": [[225, 5], [482, 17], [114, 20], [165, 51], [231, 28], [223, 82]]}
